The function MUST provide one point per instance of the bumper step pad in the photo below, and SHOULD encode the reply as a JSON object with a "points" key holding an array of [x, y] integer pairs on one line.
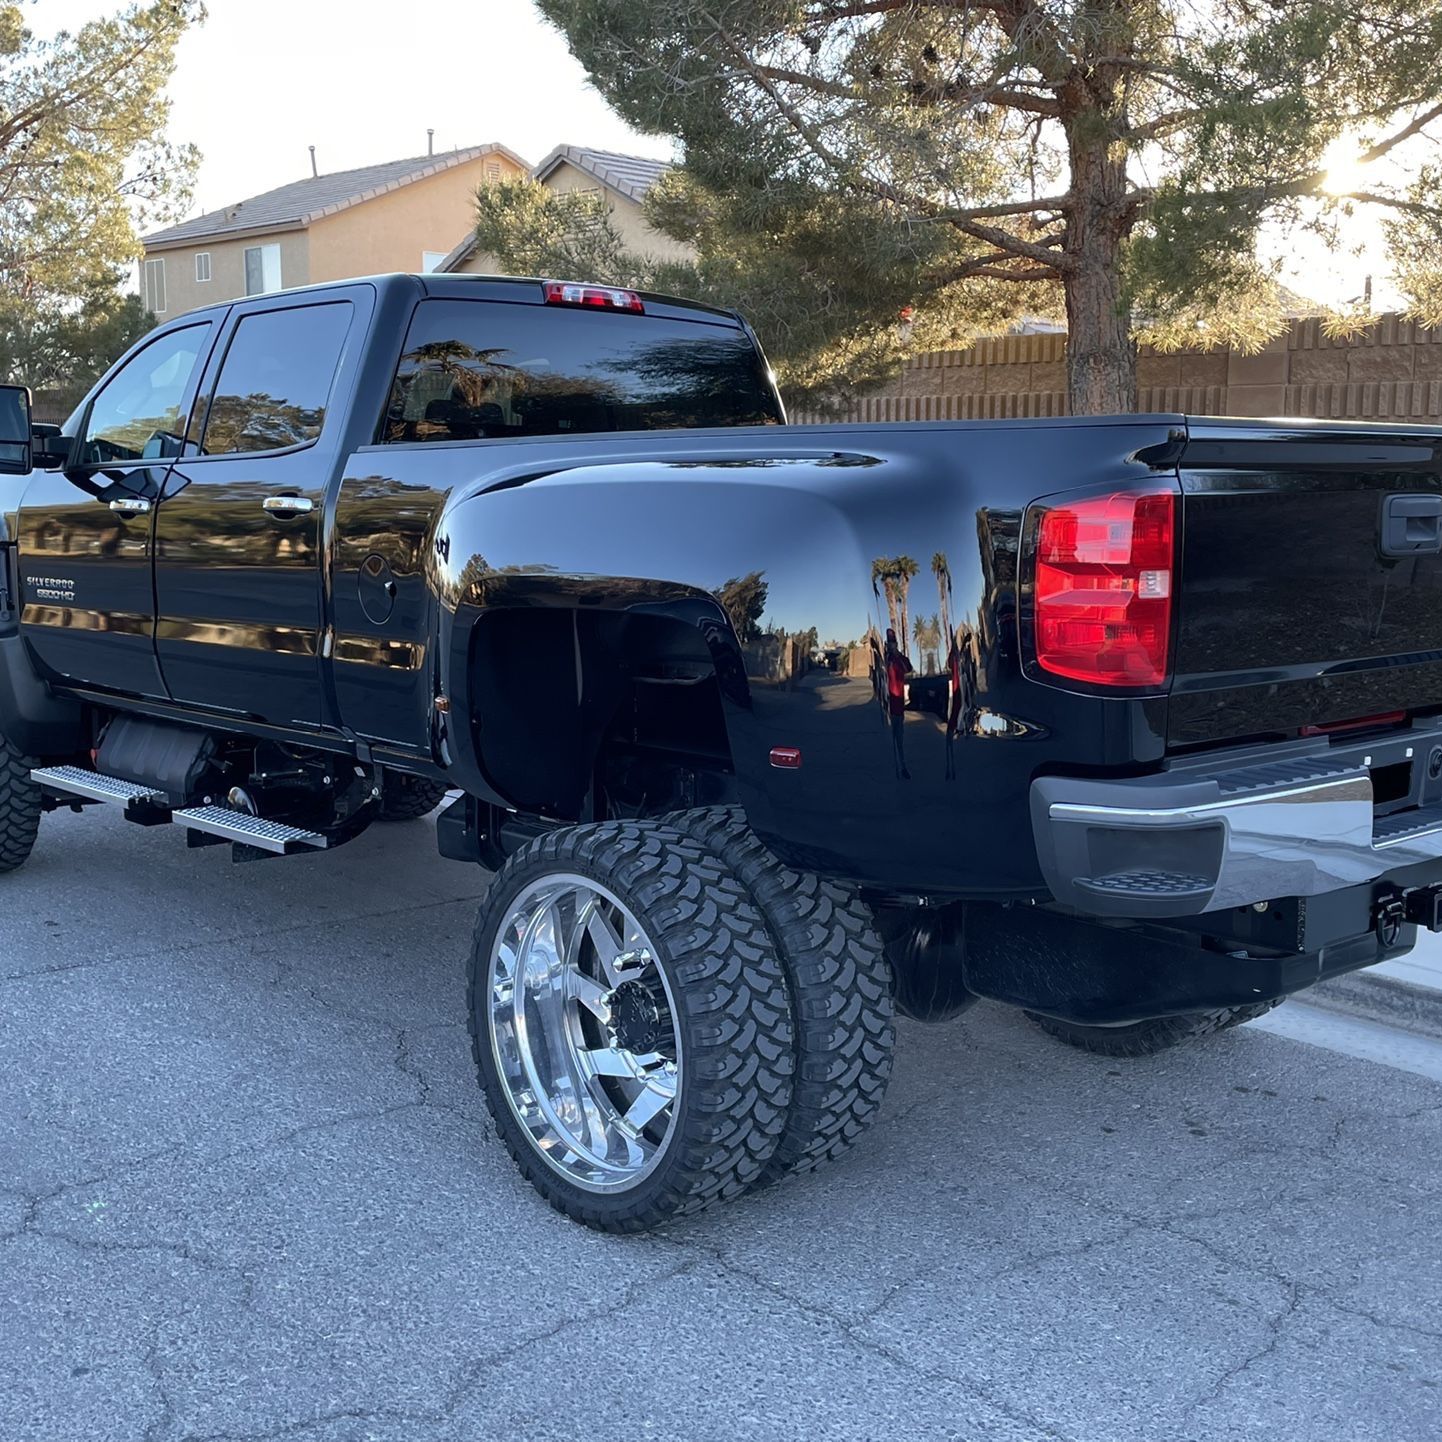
{"points": [[1148, 884]]}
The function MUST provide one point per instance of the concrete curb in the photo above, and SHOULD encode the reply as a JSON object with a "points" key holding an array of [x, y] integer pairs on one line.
{"points": [[1382, 999]]}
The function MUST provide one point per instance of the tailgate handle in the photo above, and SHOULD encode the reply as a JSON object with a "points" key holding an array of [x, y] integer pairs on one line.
{"points": [[1412, 525]]}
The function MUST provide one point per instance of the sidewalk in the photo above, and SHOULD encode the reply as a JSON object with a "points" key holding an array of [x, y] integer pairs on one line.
{"points": [[1405, 993], [1420, 967]]}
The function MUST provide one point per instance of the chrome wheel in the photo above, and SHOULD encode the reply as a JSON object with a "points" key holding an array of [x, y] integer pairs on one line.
{"points": [[583, 1031]]}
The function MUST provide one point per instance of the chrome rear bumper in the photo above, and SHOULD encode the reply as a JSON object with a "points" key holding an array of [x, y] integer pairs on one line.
{"points": [[1191, 840]]}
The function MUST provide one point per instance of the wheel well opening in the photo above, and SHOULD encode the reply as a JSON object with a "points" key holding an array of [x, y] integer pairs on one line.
{"points": [[582, 714]]}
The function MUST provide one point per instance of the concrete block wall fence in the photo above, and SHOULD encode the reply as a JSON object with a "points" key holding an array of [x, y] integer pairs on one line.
{"points": [[1392, 371]]}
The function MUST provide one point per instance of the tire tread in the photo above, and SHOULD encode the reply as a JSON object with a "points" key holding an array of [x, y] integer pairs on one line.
{"points": [[408, 798], [840, 985], [19, 808]]}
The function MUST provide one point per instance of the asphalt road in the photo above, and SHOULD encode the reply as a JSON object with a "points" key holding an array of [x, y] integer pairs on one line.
{"points": [[247, 1191]]}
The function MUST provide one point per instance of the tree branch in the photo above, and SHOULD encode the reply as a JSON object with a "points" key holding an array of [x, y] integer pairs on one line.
{"points": [[815, 83], [1394, 202], [1021, 100], [1014, 245], [1375, 152], [858, 9], [1056, 203], [995, 271], [1162, 125]]}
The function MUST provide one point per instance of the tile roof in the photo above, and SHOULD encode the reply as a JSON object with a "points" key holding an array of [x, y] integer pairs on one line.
{"points": [[304, 201], [632, 175]]}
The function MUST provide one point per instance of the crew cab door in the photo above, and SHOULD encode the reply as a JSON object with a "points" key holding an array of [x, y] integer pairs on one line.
{"points": [[86, 537], [240, 605]]}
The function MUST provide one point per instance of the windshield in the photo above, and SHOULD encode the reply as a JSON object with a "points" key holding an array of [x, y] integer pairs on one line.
{"points": [[475, 370]]}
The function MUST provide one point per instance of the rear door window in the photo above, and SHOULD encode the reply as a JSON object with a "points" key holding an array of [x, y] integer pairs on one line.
{"points": [[475, 370], [275, 382]]}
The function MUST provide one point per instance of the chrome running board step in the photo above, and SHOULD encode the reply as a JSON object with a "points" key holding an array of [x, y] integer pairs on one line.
{"points": [[240, 826], [146, 804], [76, 781]]}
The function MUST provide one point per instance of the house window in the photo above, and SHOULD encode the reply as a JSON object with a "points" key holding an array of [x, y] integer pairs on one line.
{"points": [[262, 269], [202, 266], [430, 259], [493, 170], [155, 286]]}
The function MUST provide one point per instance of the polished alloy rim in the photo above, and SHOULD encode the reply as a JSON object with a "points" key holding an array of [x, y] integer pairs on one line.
{"points": [[583, 1030]]}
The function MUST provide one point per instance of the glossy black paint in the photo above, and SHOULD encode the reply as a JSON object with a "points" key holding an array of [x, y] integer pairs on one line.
{"points": [[487, 609], [85, 581], [1292, 613], [661, 523], [241, 615], [85, 566]]}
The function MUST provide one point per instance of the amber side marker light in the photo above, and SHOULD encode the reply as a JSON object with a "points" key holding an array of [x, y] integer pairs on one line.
{"points": [[786, 758]]}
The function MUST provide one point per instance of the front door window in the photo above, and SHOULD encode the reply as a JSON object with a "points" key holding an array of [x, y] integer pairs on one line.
{"points": [[139, 414]]}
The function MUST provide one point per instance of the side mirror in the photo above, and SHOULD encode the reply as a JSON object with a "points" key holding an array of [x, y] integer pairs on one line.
{"points": [[49, 450], [14, 431]]}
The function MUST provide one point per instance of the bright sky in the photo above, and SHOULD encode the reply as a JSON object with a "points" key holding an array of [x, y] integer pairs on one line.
{"points": [[362, 81]]}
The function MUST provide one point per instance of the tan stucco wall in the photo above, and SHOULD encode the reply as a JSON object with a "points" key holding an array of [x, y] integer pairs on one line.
{"points": [[392, 231], [227, 270], [388, 233], [626, 214]]}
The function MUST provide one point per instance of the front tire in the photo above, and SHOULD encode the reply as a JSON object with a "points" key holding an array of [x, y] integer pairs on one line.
{"points": [[19, 808], [630, 1024], [1146, 1038]]}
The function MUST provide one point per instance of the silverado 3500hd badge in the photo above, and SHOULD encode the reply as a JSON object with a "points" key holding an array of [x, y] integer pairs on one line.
{"points": [[53, 588]]}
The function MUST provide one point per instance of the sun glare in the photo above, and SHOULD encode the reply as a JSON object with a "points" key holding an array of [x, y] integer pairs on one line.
{"points": [[1345, 170]]}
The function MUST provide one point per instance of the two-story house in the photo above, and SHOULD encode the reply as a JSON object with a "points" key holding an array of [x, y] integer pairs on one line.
{"points": [[622, 179], [401, 215]]}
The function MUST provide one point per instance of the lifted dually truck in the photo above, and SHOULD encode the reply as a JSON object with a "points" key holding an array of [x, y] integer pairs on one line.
{"points": [[1168, 749]]}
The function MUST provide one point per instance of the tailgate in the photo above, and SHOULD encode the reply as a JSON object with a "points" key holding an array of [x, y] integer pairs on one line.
{"points": [[1311, 578]]}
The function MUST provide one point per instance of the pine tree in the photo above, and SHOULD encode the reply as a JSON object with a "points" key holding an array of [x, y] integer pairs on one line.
{"points": [[1110, 161]]}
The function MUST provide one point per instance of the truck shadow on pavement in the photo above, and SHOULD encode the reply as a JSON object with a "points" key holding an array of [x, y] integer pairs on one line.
{"points": [[247, 1188]]}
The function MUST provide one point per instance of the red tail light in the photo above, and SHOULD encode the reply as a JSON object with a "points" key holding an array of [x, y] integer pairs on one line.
{"points": [[606, 297], [1104, 569]]}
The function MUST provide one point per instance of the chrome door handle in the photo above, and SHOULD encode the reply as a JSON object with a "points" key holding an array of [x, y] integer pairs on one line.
{"points": [[130, 506], [287, 505]]}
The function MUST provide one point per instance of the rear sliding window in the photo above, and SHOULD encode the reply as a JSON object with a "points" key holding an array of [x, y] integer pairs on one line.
{"points": [[477, 370]]}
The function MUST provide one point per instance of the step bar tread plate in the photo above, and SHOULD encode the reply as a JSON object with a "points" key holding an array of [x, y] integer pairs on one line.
{"points": [[256, 831], [77, 781]]}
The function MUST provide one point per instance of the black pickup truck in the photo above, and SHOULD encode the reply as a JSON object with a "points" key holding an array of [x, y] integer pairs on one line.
{"points": [[767, 731]]}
